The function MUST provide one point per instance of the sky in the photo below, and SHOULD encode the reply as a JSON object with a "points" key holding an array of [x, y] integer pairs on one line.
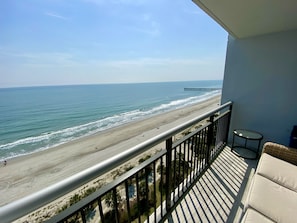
{"points": [[65, 42]]}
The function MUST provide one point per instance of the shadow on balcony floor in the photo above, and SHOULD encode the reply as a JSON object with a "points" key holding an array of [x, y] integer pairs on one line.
{"points": [[219, 194]]}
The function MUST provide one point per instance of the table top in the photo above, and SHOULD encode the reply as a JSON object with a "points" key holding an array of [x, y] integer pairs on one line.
{"points": [[247, 134]]}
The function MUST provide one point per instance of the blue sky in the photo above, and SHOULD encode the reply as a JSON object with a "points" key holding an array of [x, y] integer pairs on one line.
{"points": [[61, 42]]}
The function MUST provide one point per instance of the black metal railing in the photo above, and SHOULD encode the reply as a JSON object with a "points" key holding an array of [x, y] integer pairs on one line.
{"points": [[149, 191]]}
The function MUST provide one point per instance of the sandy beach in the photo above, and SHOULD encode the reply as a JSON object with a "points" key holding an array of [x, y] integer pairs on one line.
{"points": [[27, 174]]}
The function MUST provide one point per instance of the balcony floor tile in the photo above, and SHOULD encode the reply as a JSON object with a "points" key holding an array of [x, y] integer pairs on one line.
{"points": [[218, 196]]}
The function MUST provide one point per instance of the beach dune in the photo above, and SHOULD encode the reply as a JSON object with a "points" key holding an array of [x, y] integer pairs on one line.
{"points": [[27, 174]]}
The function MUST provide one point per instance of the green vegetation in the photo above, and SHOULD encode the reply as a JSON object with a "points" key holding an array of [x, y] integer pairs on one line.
{"points": [[149, 197], [142, 159], [110, 200]]}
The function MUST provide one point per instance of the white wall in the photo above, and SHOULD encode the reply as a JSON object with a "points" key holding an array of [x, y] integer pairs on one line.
{"points": [[261, 79]]}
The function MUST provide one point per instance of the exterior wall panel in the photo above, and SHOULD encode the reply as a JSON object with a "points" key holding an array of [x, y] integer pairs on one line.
{"points": [[261, 79]]}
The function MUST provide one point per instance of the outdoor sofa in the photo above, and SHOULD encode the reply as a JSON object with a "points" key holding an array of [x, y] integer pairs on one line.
{"points": [[272, 196]]}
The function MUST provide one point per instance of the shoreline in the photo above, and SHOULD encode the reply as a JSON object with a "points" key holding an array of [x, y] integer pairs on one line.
{"points": [[85, 137], [26, 174]]}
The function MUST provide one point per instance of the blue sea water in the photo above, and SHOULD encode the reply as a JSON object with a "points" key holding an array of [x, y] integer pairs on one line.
{"points": [[38, 118]]}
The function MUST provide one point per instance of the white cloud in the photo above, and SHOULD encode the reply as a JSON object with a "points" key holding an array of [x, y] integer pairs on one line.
{"points": [[166, 62], [39, 59], [61, 68], [147, 25], [194, 12], [125, 2], [97, 2], [57, 16], [152, 30], [130, 2]]}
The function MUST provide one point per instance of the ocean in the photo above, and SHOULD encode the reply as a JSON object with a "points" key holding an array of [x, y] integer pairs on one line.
{"points": [[39, 118]]}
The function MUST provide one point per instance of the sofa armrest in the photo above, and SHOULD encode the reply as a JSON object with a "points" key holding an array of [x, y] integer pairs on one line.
{"points": [[280, 151]]}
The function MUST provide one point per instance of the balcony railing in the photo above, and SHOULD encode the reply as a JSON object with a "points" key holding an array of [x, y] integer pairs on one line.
{"points": [[148, 192]]}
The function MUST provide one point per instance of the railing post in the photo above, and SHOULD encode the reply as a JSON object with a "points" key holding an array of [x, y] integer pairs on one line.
{"points": [[209, 138], [115, 203], [168, 173], [228, 124]]}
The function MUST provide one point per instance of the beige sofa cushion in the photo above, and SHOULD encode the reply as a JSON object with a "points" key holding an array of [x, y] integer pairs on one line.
{"points": [[279, 171], [273, 200], [252, 216]]}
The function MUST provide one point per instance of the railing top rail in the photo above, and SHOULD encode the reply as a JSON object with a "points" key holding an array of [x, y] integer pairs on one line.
{"points": [[23, 206]]}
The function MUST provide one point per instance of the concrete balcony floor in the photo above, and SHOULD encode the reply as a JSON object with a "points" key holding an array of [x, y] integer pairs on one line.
{"points": [[219, 195]]}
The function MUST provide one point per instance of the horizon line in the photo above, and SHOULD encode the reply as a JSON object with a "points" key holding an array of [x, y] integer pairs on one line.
{"points": [[106, 83]]}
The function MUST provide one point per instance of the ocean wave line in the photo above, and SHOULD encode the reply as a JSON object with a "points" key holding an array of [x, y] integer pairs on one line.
{"points": [[52, 139]]}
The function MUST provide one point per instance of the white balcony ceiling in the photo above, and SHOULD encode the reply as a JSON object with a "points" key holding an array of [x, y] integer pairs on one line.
{"points": [[247, 18]]}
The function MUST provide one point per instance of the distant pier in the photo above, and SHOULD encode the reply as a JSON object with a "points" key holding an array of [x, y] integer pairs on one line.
{"points": [[201, 89]]}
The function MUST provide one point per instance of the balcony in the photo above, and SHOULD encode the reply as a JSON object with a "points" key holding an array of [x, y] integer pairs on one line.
{"points": [[218, 196], [196, 178]]}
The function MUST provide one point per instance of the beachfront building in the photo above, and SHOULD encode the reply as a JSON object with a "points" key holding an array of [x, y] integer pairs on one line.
{"points": [[197, 178]]}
